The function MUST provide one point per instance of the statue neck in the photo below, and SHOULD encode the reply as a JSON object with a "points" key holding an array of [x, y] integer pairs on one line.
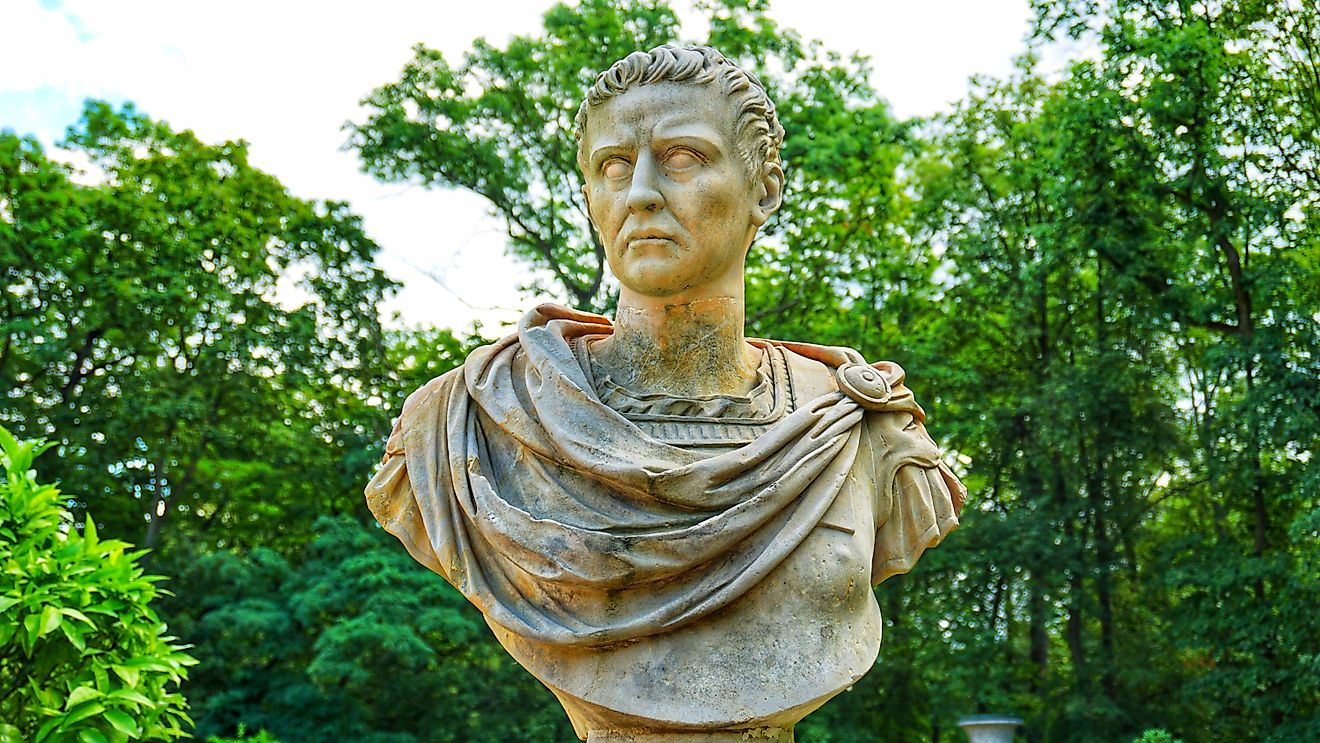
{"points": [[685, 349]]}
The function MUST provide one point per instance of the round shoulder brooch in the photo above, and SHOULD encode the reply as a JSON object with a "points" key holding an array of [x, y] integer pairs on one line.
{"points": [[865, 385]]}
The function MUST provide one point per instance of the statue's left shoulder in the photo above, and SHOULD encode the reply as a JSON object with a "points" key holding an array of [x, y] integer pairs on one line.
{"points": [[816, 370], [808, 377]]}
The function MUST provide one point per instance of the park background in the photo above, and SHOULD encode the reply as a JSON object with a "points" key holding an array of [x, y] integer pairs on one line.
{"points": [[1099, 261]]}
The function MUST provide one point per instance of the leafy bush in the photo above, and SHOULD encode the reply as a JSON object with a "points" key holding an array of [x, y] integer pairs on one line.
{"points": [[1157, 736], [83, 657]]}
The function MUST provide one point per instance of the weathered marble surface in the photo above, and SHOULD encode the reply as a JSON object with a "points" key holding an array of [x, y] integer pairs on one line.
{"points": [[674, 527]]}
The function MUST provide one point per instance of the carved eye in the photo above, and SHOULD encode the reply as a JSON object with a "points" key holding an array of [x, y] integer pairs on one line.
{"points": [[682, 160], [616, 168]]}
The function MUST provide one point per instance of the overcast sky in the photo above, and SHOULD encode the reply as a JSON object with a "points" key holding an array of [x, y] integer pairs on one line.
{"points": [[286, 75]]}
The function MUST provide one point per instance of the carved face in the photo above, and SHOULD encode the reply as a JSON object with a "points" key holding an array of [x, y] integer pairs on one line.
{"points": [[668, 189]]}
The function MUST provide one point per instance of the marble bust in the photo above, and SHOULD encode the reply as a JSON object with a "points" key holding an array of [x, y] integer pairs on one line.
{"points": [[674, 527]]}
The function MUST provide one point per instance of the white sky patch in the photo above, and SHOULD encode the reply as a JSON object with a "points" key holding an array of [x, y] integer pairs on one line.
{"points": [[922, 53], [85, 172], [289, 293], [286, 76]]}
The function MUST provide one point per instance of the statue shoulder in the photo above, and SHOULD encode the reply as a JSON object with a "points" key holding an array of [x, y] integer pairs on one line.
{"points": [[810, 378], [435, 395], [433, 392], [817, 370]]}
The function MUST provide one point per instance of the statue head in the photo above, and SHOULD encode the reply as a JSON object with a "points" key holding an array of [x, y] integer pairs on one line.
{"points": [[759, 134], [679, 150]]}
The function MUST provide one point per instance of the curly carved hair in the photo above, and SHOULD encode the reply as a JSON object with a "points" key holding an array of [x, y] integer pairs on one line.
{"points": [[755, 121]]}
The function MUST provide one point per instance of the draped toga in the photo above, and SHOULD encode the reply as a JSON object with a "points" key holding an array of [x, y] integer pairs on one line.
{"points": [[581, 519]]}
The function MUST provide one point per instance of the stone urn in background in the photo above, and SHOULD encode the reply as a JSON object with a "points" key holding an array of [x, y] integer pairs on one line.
{"points": [[990, 728]]}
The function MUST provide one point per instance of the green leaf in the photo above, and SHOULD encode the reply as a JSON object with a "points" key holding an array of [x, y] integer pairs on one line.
{"points": [[127, 673], [80, 695], [131, 695], [122, 722], [80, 713], [70, 612], [74, 635], [91, 735], [32, 623], [47, 728], [100, 676], [146, 663], [50, 619]]}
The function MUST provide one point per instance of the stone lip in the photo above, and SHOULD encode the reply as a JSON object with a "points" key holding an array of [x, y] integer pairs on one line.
{"points": [[989, 720]]}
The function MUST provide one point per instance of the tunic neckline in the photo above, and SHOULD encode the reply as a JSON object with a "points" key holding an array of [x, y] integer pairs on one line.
{"points": [[698, 421]]}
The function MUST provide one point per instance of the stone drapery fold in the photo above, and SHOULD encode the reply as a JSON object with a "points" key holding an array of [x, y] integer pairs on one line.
{"points": [[567, 524]]}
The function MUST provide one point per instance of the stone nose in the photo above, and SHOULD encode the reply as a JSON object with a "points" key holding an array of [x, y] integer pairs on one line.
{"points": [[644, 190]]}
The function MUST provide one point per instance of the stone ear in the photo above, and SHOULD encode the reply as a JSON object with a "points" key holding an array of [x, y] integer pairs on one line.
{"points": [[771, 191]]}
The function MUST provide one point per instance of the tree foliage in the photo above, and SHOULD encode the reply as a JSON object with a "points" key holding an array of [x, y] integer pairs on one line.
{"points": [[1123, 352], [83, 655], [350, 639], [149, 325]]}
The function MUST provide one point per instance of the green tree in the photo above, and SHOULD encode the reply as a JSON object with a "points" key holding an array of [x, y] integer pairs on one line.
{"points": [[1127, 354], [1062, 399], [350, 639], [150, 319], [243, 736], [83, 655], [1218, 104]]}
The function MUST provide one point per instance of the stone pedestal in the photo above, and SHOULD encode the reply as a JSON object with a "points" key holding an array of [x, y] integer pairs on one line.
{"points": [[754, 735]]}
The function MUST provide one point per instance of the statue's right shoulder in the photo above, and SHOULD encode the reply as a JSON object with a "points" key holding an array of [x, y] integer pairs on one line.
{"points": [[434, 397], [434, 392]]}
